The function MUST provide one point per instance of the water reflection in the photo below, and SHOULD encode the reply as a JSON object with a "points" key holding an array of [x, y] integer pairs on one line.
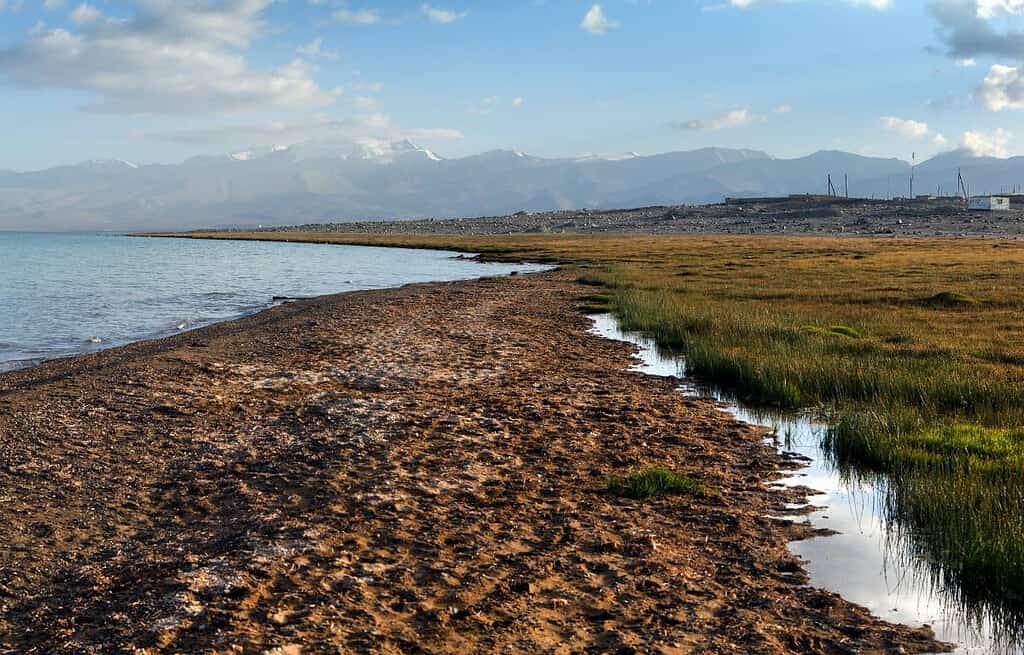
{"points": [[870, 561]]}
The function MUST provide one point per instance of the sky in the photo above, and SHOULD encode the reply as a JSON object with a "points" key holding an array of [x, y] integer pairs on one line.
{"points": [[158, 81]]}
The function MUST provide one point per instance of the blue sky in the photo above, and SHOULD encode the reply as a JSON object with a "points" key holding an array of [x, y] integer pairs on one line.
{"points": [[162, 80]]}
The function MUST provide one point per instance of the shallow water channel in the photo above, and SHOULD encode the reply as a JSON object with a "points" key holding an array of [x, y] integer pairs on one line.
{"points": [[866, 561]]}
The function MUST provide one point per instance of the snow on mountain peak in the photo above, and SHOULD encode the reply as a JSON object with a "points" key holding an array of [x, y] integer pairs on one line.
{"points": [[115, 163], [621, 156]]}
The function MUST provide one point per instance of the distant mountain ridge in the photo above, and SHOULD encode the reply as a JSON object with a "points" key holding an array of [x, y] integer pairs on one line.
{"points": [[344, 180]]}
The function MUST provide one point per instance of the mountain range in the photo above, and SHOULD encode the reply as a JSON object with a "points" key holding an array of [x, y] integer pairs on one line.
{"points": [[345, 181]]}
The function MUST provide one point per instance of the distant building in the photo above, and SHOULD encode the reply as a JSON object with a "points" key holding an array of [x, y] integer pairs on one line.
{"points": [[989, 203]]}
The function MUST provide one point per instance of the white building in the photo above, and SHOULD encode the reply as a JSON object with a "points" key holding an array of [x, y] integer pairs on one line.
{"points": [[989, 203]]}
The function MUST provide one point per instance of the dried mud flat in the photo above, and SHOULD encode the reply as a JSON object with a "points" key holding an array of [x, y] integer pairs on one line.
{"points": [[418, 470]]}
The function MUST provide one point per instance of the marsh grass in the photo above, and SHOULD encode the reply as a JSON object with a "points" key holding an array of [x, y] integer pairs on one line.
{"points": [[652, 482], [595, 303]]}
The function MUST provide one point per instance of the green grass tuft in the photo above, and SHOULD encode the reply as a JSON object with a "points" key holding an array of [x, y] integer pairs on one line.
{"points": [[654, 481], [834, 330]]}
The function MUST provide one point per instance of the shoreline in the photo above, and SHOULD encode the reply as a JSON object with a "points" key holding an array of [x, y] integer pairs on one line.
{"points": [[435, 479]]}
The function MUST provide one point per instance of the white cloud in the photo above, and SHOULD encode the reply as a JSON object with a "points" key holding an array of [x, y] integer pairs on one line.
{"points": [[315, 50], [517, 102], [85, 13], [987, 144], [357, 16], [727, 120], [595, 22], [443, 16], [53, 4], [998, 8], [905, 126], [168, 57], [1002, 88], [914, 129], [966, 62], [783, 109]]}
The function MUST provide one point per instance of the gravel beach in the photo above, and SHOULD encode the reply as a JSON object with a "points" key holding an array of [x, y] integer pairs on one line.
{"points": [[403, 471]]}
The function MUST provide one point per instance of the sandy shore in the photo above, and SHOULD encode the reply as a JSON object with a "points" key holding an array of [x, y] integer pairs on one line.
{"points": [[419, 470]]}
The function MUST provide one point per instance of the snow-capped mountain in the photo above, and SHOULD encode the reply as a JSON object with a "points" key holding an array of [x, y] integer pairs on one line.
{"points": [[379, 179]]}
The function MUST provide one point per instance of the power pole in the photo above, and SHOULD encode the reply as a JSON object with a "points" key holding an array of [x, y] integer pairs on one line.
{"points": [[913, 163], [846, 185]]}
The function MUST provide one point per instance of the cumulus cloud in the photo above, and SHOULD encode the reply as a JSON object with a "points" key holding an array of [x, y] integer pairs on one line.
{"points": [[997, 8], [595, 22], [727, 120], [913, 129], [517, 102], [783, 109], [443, 16], [1002, 88], [905, 126], [987, 144], [168, 57], [967, 30], [85, 13], [357, 16]]}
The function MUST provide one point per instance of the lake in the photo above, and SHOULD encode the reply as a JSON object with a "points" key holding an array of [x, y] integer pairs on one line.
{"points": [[67, 294]]}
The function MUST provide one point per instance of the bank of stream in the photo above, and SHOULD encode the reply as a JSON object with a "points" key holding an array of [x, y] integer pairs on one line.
{"points": [[870, 559]]}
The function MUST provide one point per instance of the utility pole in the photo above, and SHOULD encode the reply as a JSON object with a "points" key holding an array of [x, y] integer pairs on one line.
{"points": [[913, 163], [846, 185]]}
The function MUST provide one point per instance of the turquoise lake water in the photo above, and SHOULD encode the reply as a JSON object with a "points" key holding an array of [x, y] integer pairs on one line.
{"points": [[66, 294]]}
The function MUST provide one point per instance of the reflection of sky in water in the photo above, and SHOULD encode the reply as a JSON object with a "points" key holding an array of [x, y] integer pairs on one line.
{"points": [[854, 563]]}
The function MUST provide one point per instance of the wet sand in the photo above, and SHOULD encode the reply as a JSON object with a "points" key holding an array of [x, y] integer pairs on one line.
{"points": [[419, 470]]}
